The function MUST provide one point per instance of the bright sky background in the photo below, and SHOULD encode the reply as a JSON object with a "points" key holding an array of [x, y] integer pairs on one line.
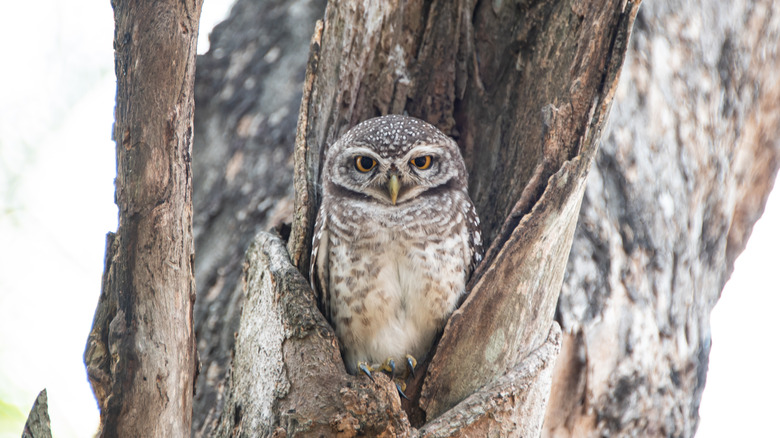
{"points": [[742, 395], [57, 167]]}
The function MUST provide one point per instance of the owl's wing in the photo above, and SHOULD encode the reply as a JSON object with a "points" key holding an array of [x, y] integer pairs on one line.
{"points": [[318, 267]]}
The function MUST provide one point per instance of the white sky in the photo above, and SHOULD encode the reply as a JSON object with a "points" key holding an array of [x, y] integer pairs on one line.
{"points": [[57, 167], [742, 395]]}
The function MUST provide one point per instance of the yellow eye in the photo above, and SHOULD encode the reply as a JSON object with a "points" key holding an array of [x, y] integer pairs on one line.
{"points": [[363, 164], [423, 162]]}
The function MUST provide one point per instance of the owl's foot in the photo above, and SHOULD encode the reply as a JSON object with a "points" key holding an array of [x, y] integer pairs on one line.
{"points": [[388, 367], [411, 364], [366, 369]]}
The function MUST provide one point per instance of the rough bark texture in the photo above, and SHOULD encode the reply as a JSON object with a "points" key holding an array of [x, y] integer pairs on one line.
{"points": [[249, 176], [38, 423], [140, 356], [287, 375], [518, 398], [682, 175], [247, 93]]}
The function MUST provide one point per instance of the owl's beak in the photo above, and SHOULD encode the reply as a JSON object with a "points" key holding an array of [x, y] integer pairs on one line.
{"points": [[393, 186]]}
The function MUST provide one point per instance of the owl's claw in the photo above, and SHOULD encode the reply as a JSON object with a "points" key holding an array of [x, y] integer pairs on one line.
{"points": [[366, 369], [411, 363], [400, 386], [388, 367]]}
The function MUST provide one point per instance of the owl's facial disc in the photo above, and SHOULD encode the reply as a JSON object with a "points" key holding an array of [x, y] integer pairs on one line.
{"points": [[392, 180]]}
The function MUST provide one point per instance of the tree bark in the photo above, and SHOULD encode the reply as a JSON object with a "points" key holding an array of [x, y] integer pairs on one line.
{"points": [[607, 381], [141, 358], [38, 423], [247, 93], [681, 177]]}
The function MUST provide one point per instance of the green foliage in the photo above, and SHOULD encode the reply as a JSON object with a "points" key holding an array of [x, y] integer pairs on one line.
{"points": [[11, 420]]}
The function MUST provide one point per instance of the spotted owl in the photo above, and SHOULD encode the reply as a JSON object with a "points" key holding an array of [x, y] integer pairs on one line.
{"points": [[395, 240]]}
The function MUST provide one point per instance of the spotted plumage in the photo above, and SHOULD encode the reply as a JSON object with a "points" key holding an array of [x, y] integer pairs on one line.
{"points": [[396, 238]]}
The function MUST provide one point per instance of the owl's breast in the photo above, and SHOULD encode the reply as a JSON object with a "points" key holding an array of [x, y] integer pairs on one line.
{"points": [[397, 290]]}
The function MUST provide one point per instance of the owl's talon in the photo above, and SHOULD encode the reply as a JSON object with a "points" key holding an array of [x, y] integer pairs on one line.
{"points": [[388, 366], [411, 363], [400, 386], [362, 366]]}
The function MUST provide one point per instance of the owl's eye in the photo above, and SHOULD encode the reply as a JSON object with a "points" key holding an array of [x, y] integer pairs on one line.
{"points": [[423, 162], [363, 164]]}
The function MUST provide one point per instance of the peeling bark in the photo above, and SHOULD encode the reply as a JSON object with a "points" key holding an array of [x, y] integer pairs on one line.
{"points": [[519, 398]]}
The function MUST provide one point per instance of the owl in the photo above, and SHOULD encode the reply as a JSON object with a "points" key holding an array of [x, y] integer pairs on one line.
{"points": [[395, 240]]}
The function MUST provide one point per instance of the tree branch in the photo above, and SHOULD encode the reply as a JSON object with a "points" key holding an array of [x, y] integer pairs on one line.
{"points": [[519, 397], [140, 355], [38, 423]]}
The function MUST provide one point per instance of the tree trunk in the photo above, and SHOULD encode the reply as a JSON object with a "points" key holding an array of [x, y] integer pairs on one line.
{"points": [[140, 356], [628, 301], [401, 59], [681, 177]]}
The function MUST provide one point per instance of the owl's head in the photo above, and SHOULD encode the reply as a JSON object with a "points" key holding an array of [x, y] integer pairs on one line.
{"points": [[393, 159]]}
